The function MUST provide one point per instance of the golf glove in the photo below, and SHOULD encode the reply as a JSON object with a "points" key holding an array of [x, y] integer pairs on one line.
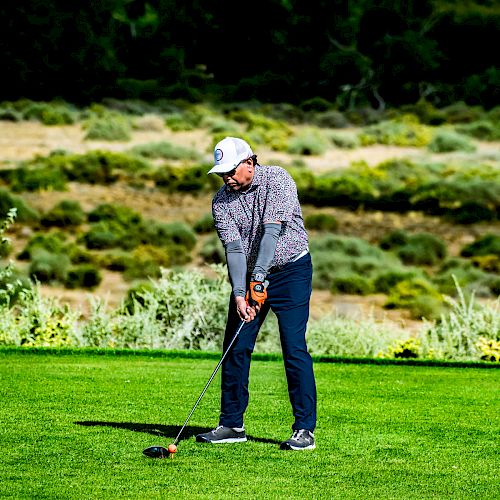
{"points": [[257, 293]]}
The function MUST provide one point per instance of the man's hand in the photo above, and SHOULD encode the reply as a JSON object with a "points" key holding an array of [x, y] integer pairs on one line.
{"points": [[257, 294], [245, 311]]}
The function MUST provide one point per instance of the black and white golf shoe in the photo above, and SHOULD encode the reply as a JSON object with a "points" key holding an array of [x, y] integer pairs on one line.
{"points": [[222, 434], [301, 439]]}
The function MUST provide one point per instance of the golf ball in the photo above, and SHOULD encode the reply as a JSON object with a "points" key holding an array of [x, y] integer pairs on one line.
{"points": [[172, 448]]}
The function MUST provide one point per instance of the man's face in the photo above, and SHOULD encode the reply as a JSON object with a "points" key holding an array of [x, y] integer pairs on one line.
{"points": [[240, 177]]}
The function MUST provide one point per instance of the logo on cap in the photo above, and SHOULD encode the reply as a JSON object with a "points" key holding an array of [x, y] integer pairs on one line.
{"points": [[218, 154]]}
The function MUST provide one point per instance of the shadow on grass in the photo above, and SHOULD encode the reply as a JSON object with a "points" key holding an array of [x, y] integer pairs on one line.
{"points": [[163, 430]]}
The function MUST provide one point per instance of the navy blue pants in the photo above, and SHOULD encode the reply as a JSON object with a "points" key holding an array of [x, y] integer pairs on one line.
{"points": [[288, 295]]}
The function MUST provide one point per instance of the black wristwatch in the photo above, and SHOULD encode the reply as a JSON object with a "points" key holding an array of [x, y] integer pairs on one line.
{"points": [[258, 277]]}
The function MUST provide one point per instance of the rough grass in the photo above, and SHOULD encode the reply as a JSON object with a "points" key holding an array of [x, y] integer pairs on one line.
{"points": [[75, 426]]}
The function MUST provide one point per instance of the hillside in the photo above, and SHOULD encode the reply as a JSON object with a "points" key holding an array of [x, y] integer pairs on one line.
{"points": [[26, 140]]}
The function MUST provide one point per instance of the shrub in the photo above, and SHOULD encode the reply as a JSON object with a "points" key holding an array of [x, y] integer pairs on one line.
{"points": [[82, 276], [123, 215], [166, 150], [49, 113], [335, 335], [464, 274], [464, 332], [353, 284], [48, 267], [218, 125], [307, 142], [109, 127], [212, 251], [404, 131], [385, 280], [185, 120], [51, 242], [417, 249], [185, 179], [9, 114], [460, 112], [489, 244], [38, 321], [483, 130], [445, 141], [149, 122], [24, 213], [66, 213], [418, 296], [109, 234], [316, 104], [204, 225], [321, 222], [165, 234], [102, 167], [343, 141], [35, 176], [330, 119], [146, 262]]}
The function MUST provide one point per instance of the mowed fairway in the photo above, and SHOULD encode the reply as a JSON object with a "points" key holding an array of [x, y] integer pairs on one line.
{"points": [[74, 426]]}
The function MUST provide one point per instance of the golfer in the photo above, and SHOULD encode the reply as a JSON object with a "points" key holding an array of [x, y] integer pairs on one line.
{"points": [[259, 221]]}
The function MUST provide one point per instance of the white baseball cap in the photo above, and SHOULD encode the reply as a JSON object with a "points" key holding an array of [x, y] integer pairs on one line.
{"points": [[229, 153]]}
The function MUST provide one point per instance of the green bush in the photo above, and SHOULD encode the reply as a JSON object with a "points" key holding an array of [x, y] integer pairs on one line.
{"points": [[483, 130], [489, 244], [49, 113], [316, 104], [385, 280], [109, 127], [343, 141], [174, 233], [186, 179], [110, 234], [204, 225], [54, 242], [9, 114], [463, 273], [47, 267], [307, 142], [339, 256], [212, 251], [146, 262], [417, 249], [353, 284], [330, 119], [460, 112], [321, 222], [83, 276], [102, 167], [418, 296], [404, 131], [66, 213], [445, 141], [425, 111], [121, 214], [166, 150], [24, 213], [35, 176]]}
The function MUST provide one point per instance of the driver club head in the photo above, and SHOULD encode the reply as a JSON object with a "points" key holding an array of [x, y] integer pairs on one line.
{"points": [[156, 452]]}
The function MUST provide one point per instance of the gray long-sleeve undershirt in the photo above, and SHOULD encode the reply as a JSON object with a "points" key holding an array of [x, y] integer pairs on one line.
{"points": [[236, 259]]}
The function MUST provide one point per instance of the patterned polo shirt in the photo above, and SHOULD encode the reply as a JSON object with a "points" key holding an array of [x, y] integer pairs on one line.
{"points": [[272, 196]]}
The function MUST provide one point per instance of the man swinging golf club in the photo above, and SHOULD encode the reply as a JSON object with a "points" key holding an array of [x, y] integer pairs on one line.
{"points": [[259, 221]]}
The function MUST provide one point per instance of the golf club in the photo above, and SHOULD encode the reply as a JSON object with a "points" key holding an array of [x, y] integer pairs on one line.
{"points": [[160, 451]]}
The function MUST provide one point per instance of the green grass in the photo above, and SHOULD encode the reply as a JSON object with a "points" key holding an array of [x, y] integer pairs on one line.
{"points": [[74, 426]]}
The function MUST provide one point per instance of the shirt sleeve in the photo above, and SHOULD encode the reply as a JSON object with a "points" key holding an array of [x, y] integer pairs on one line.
{"points": [[281, 197], [224, 225]]}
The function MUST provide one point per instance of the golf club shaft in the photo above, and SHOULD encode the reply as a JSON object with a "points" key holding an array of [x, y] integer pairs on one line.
{"points": [[209, 381]]}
